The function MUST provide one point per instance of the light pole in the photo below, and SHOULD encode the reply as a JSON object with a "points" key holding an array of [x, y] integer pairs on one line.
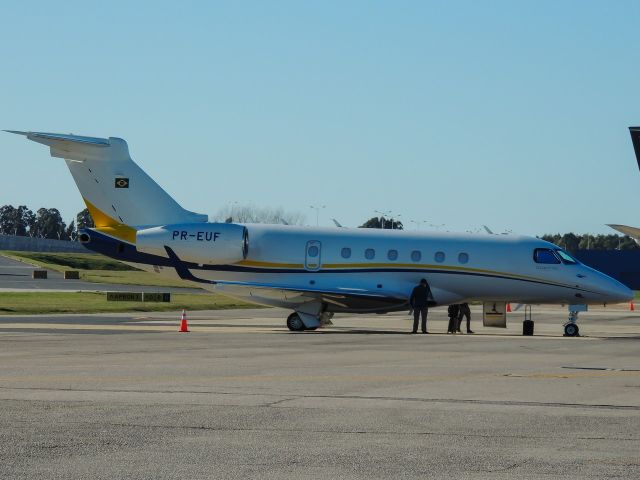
{"points": [[419, 223], [317, 209]]}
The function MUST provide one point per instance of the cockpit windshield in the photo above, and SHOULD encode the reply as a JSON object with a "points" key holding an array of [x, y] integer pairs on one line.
{"points": [[553, 256], [565, 257], [545, 255]]}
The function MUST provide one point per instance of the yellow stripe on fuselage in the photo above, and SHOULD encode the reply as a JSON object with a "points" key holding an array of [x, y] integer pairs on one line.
{"points": [[340, 266], [110, 226]]}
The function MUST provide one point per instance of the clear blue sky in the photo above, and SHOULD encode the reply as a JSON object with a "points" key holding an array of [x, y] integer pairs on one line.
{"points": [[510, 114]]}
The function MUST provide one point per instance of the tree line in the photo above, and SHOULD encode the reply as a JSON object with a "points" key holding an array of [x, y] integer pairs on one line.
{"points": [[572, 242], [48, 223], [43, 223]]}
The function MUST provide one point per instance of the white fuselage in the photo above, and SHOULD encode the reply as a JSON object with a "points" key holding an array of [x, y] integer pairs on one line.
{"points": [[458, 267]]}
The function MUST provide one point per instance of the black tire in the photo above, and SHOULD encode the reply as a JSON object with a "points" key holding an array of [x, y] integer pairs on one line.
{"points": [[294, 323], [571, 330]]}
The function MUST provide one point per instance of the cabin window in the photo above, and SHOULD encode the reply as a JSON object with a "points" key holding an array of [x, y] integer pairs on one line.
{"points": [[463, 257], [369, 254], [416, 255], [565, 257], [392, 255], [313, 251], [439, 257], [545, 255], [346, 252]]}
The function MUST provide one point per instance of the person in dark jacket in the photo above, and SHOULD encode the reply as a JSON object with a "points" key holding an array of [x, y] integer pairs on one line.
{"points": [[453, 312], [465, 311], [419, 301]]}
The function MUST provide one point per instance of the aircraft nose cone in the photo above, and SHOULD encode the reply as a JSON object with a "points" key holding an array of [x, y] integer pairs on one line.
{"points": [[618, 293]]}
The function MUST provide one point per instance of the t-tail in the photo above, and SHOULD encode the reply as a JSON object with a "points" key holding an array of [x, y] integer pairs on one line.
{"points": [[120, 196]]}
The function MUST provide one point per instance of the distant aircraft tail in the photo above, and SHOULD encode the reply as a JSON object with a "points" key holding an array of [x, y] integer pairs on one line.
{"points": [[120, 196], [635, 139]]}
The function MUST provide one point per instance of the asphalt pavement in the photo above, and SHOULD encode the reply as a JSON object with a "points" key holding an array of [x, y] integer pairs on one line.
{"points": [[127, 396]]}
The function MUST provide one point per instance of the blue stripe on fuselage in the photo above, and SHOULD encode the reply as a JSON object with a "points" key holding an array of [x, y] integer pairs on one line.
{"points": [[127, 252]]}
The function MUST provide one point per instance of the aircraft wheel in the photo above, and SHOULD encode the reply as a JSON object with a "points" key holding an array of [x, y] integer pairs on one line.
{"points": [[294, 323], [571, 330]]}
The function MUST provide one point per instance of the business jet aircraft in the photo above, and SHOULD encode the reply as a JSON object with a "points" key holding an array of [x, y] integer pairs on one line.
{"points": [[633, 232], [315, 272]]}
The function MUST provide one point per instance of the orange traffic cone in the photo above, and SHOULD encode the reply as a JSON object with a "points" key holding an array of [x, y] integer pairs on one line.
{"points": [[508, 308], [632, 307], [183, 322]]}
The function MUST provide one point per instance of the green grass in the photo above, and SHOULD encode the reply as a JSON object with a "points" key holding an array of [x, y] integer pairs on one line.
{"points": [[95, 302], [71, 261], [94, 267]]}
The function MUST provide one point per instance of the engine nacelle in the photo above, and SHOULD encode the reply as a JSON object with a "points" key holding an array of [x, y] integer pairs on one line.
{"points": [[206, 243]]}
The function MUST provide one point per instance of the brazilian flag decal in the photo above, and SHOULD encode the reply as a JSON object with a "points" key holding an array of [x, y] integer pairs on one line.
{"points": [[122, 182]]}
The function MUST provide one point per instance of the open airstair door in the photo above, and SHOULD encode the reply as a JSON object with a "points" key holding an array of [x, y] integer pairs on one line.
{"points": [[494, 314]]}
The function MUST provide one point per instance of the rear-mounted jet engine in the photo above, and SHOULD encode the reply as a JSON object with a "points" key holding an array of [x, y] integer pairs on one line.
{"points": [[205, 243]]}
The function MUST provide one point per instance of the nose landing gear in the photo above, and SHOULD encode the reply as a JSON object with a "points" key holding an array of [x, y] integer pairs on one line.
{"points": [[571, 328]]}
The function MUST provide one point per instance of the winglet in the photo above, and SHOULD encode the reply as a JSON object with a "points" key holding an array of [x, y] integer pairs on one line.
{"points": [[632, 232], [635, 139]]}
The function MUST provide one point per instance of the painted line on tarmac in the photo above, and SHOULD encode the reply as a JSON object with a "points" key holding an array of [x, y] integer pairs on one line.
{"points": [[140, 327]]}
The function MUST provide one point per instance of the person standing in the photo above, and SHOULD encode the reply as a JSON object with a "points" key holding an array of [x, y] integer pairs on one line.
{"points": [[419, 301], [465, 311], [453, 312]]}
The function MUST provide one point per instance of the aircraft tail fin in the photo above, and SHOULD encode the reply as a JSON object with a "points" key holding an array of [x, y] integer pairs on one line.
{"points": [[635, 139], [119, 195]]}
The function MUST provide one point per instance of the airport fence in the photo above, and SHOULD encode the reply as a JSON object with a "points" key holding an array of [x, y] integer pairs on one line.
{"points": [[29, 244]]}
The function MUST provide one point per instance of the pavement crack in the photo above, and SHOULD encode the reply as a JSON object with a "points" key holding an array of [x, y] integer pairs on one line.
{"points": [[516, 403], [343, 432]]}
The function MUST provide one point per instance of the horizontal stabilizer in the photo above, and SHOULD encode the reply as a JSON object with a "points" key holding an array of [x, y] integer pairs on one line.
{"points": [[49, 138]]}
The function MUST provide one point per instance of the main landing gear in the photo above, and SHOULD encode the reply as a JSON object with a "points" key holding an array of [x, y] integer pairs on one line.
{"points": [[295, 323], [308, 317]]}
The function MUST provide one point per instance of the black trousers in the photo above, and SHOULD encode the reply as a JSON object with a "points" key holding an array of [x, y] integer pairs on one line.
{"points": [[417, 312], [465, 314]]}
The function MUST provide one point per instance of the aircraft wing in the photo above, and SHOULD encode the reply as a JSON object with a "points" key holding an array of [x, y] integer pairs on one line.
{"points": [[351, 298], [339, 298], [633, 232]]}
